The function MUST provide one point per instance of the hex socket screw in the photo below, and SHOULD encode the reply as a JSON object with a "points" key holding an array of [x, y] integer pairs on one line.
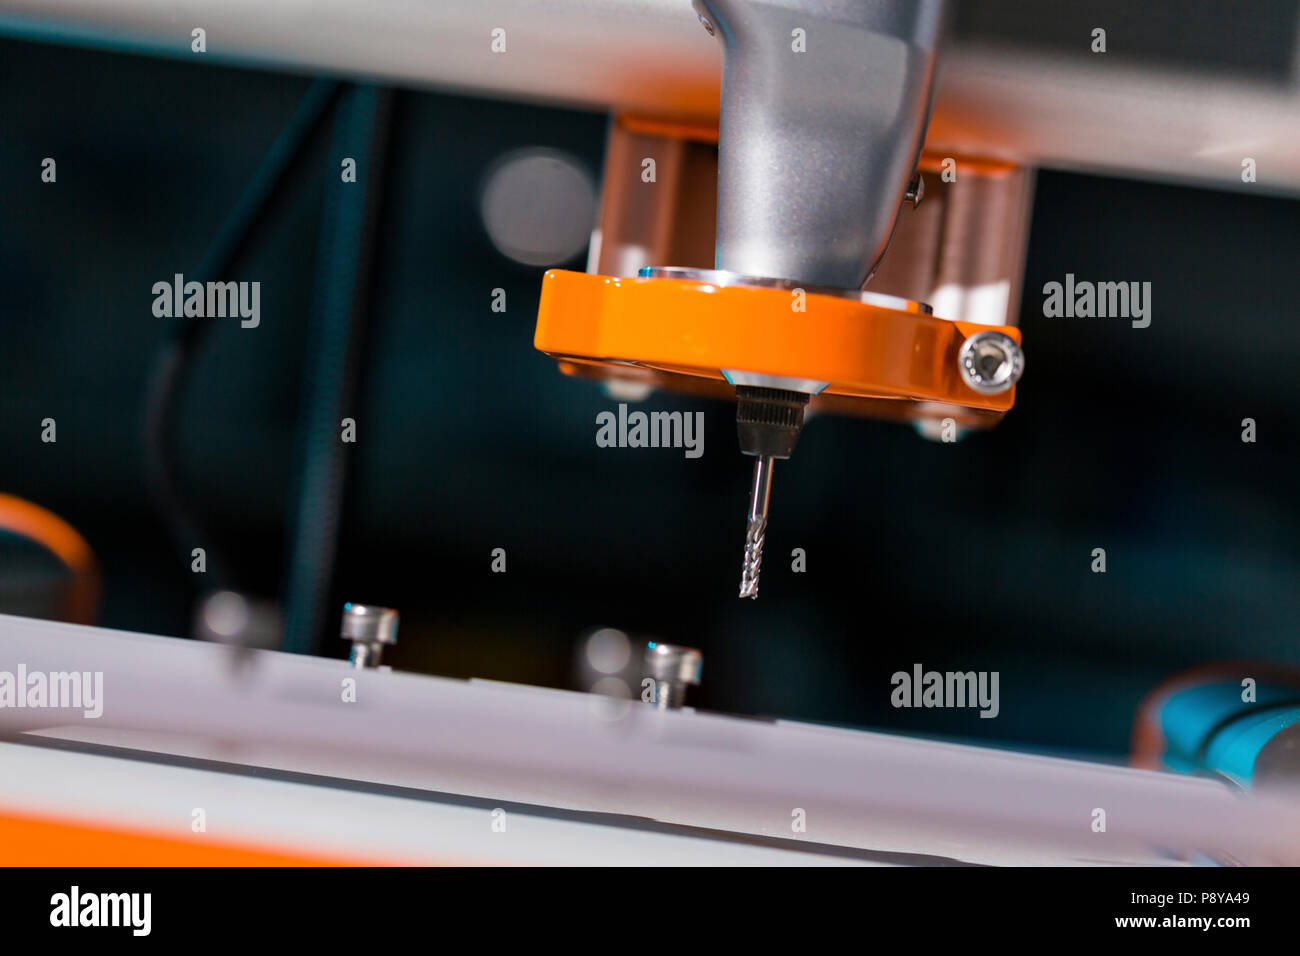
{"points": [[990, 362], [369, 628], [674, 669]]}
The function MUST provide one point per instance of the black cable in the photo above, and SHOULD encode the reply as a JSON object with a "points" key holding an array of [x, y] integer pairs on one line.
{"points": [[348, 231], [175, 357]]}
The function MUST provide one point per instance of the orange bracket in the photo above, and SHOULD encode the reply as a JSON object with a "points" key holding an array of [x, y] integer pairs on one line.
{"points": [[678, 333]]}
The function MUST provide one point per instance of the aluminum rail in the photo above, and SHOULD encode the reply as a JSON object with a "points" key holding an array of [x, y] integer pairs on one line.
{"points": [[585, 753]]}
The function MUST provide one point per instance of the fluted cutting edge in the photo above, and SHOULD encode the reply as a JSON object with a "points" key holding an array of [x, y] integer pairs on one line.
{"points": [[754, 535]]}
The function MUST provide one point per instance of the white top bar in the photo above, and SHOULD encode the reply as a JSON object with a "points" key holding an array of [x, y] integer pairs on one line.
{"points": [[652, 56]]}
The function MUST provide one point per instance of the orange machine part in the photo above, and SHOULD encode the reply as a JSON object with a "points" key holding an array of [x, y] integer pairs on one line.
{"points": [[62, 540], [683, 329], [31, 841]]}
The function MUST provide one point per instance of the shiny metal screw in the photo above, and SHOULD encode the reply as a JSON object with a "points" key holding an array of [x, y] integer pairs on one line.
{"points": [[704, 22], [369, 628], [915, 191], [673, 668], [991, 362]]}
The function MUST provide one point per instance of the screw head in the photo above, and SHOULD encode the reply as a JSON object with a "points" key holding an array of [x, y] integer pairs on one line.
{"points": [[369, 623], [915, 191], [673, 662], [704, 22], [991, 362]]}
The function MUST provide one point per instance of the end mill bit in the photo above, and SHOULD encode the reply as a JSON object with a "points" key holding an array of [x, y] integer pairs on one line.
{"points": [[768, 422], [760, 490]]}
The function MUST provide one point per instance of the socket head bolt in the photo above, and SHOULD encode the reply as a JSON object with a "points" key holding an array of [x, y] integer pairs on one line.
{"points": [[673, 668], [369, 628], [991, 362]]}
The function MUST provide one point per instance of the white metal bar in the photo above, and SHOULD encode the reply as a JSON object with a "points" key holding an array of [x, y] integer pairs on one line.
{"points": [[652, 56], [584, 753]]}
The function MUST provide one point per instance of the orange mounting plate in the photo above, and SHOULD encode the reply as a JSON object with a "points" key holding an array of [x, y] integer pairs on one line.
{"points": [[680, 333]]}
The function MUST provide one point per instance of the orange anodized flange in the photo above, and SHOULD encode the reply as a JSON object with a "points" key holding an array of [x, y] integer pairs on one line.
{"points": [[681, 333]]}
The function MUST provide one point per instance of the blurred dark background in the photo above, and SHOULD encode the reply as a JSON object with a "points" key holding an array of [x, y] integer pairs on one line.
{"points": [[967, 556]]}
